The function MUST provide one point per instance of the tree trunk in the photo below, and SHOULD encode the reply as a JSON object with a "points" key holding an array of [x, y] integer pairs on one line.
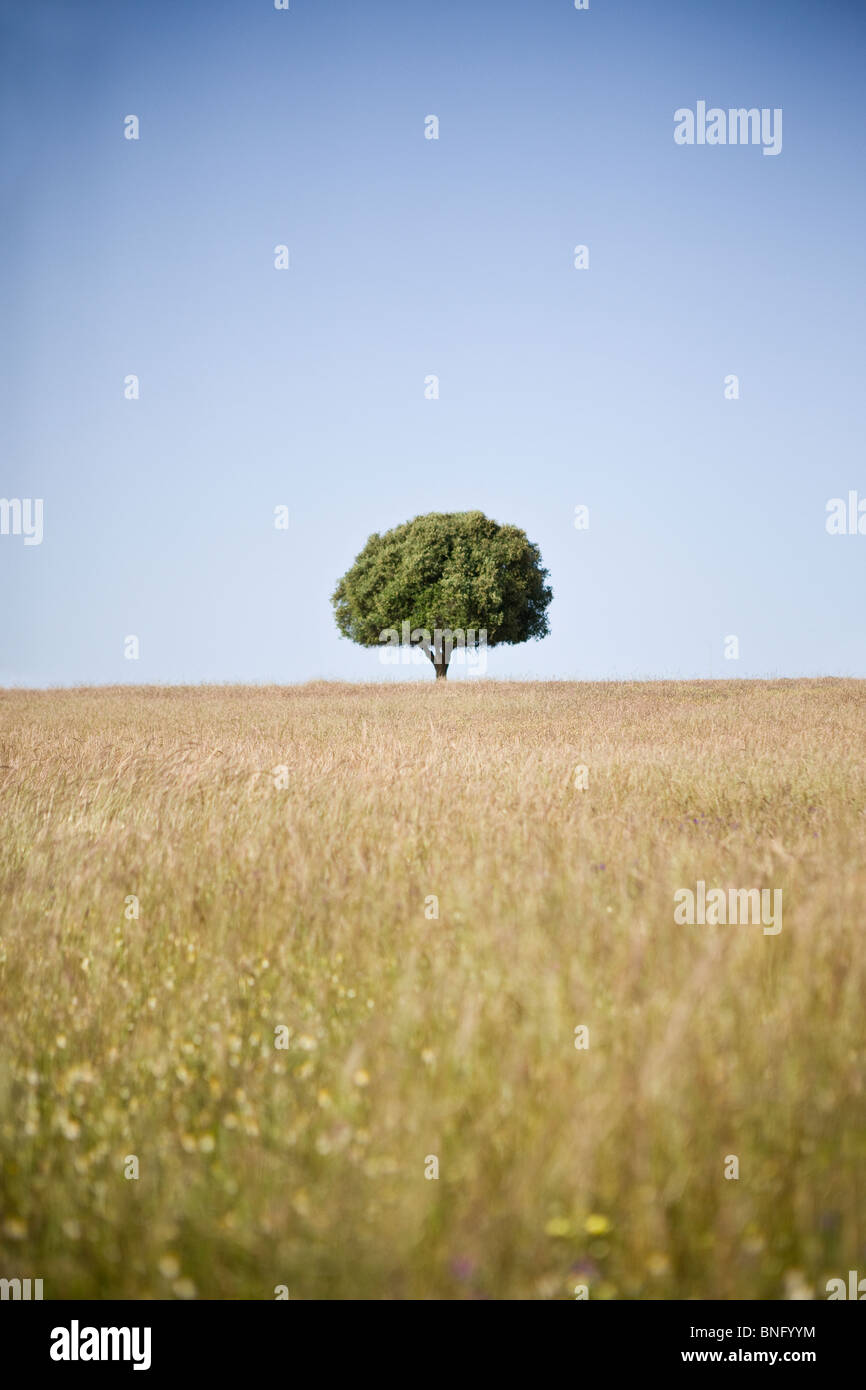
{"points": [[438, 655]]}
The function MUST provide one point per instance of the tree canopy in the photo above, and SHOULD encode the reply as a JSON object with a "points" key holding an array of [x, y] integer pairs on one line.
{"points": [[440, 575]]}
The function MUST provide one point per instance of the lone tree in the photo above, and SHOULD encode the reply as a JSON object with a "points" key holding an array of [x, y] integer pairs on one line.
{"points": [[445, 579]]}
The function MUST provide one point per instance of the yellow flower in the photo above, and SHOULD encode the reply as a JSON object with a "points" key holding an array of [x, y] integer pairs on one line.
{"points": [[361, 1077], [596, 1225]]}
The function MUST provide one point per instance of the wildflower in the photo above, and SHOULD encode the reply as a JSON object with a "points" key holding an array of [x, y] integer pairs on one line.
{"points": [[596, 1225]]}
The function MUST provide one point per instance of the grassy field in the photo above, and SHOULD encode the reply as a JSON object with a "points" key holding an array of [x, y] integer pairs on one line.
{"points": [[285, 847]]}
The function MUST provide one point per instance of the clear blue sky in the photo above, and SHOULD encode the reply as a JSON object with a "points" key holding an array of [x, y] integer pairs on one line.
{"points": [[412, 257]]}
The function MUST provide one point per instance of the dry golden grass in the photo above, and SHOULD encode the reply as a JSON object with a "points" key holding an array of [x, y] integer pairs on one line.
{"points": [[304, 906]]}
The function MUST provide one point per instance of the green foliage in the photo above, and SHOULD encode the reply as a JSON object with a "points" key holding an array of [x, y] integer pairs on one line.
{"points": [[446, 570]]}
